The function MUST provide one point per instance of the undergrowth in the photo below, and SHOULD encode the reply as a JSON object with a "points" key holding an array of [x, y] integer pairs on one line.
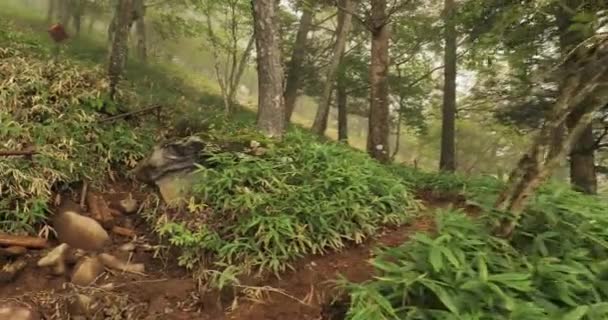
{"points": [[554, 267], [53, 107], [301, 197]]}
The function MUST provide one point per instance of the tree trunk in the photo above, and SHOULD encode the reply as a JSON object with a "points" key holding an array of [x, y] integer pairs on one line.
{"points": [[377, 138], [236, 80], [119, 46], [298, 55], [580, 95], [140, 30], [51, 11], [342, 103], [63, 9], [344, 22], [271, 106], [77, 13], [447, 160], [582, 158]]}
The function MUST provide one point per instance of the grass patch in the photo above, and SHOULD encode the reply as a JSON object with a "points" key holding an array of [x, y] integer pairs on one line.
{"points": [[554, 267], [302, 197]]}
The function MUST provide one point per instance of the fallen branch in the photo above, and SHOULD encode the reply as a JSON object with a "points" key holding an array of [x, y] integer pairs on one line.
{"points": [[23, 241], [18, 153], [131, 113], [125, 232]]}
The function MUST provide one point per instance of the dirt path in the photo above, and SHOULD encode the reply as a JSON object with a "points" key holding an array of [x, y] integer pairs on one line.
{"points": [[168, 292]]}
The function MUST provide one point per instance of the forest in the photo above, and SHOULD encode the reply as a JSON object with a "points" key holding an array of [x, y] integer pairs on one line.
{"points": [[303, 159]]}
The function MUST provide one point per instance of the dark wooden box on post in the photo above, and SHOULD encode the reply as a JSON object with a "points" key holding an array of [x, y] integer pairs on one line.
{"points": [[57, 32]]}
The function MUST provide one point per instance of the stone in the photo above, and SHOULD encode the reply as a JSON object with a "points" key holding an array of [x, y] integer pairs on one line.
{"points": [[175, 189], [79, 231], [15, 311], [173, 156], [112, 262], [87, 271], [56, 259], [128, 247]]}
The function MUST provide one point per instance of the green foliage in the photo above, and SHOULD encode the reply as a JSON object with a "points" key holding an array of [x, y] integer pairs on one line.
{"points": [[301, 197], [53, 107], [554, 267]]}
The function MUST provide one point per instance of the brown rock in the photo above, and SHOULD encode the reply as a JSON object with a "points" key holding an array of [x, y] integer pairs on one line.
{"points": [[79, 231], [14, 311], [87, 271], [56, 259], [174, 189]]}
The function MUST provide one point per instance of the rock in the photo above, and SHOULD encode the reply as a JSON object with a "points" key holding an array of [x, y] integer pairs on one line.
{"points": [[79, 231], [111, 261], [9, 270], [173, 156], [175, 189], [128, 205], [14, 311], [87, 271], [128, 247], [56, 259], [13, 251]]}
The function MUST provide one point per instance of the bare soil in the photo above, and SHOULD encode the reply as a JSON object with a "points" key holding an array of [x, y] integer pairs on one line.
{"points": [[167, 291]]}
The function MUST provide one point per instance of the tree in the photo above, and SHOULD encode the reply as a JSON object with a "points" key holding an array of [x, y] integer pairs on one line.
{"points": [[377, 138], [344, 22], [342, 105], [271, 106], [229, 59], [582, 157], [294, 69], [139, 8], [447, 160], [119, 44], [581, 95]]}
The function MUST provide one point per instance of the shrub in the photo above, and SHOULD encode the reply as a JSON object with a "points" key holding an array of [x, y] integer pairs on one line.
{"points": [[555, 267], [54, 108], [302, 197]]}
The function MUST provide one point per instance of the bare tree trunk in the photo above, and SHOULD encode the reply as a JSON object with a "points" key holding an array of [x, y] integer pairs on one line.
{"points": [[377, 139], [583, 175], [294, 68], [140, 30], [64, 13], [236, 80], [77, 13], [271, 106], [587, 68], [342, 103], [447, 160], [344, 22], [119, 46], [51, 11]]}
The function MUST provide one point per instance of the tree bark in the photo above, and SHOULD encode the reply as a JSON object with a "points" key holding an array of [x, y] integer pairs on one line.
{"points": [[77, 13], [298, 55], [583, 175], [587, 68], [63, 9], [271, 106], [377, 138], [51, 11], [119, 45], [344, 22], [342, 103], [140, 30], [447, 160]]}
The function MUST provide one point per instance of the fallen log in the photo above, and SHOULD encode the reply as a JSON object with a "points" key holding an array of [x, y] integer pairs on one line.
{"points": [[125, 232], [23, 241]]}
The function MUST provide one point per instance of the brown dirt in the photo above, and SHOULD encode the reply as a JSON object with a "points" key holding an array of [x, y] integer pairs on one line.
{"points": [[168, 292]]}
